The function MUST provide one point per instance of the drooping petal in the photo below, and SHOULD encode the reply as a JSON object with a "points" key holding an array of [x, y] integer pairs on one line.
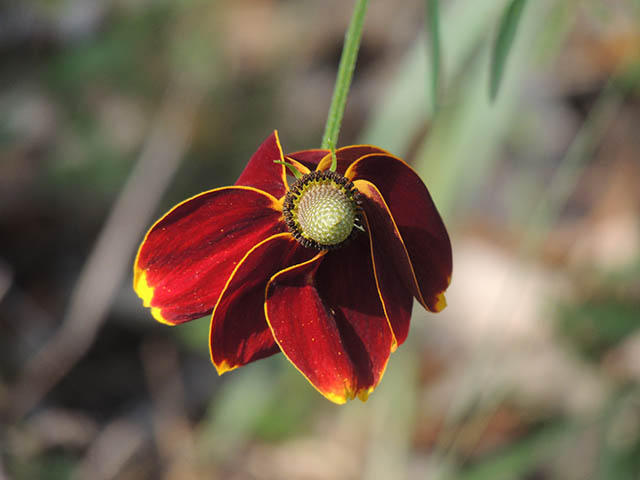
{"points": [[262, 173], [239, 332], [394, 274], [327, 318], [188, 255], [423, 232], [345, 156]]}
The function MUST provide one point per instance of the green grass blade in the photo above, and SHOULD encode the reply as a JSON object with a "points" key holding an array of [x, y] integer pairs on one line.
{"points": [[502, 46], [433, 21]]}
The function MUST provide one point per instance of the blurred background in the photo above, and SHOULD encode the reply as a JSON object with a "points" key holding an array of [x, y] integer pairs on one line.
{"points": [[111, 111]]}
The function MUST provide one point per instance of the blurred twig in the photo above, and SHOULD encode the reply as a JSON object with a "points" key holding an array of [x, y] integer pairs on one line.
{"points": [[118, 442], [173, 433], [2, 474], [109, 260], [6, 279]]}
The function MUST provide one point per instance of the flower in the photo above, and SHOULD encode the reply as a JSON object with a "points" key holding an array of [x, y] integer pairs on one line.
{"points": [[324, 271]]}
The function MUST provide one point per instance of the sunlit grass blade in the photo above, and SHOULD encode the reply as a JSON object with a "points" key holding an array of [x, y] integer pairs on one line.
{"points": [[504, 40], [433, 21]]}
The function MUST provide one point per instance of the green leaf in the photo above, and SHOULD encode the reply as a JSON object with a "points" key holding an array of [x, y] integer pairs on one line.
{"points": [[433, 19], [502, 46]]}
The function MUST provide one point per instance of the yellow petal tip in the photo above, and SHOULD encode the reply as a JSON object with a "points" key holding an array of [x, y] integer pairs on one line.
{"points": [[335, 398], [142, 288], [224, 367], [145, 292], [363, 395], [157, 314], [441, 303]]}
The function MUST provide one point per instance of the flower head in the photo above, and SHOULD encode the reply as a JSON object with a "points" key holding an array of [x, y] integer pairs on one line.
{"points": [[323, 270]]}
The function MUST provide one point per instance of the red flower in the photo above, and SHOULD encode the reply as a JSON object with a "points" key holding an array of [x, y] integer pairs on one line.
{"points": [[324, 271]]}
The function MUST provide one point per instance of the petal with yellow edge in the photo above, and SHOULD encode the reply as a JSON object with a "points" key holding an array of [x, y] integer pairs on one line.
{"points": [[261, 172], [327, 318], [423, 232], [188, 255], [394, 274], [239, 332]]}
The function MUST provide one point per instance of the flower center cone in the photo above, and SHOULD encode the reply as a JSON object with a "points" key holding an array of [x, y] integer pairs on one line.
{"points": [[322, 209]]}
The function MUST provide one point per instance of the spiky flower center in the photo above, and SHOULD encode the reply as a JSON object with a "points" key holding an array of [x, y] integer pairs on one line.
{"points": [[321, 210]]}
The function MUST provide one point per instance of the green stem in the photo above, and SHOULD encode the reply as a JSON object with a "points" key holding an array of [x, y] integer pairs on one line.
{"points": [[343, 80]]}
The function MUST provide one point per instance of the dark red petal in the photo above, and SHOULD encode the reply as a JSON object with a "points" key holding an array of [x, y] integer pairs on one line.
{"points": [[345, 156], [395, 278], [328, 320], [262, 173], [418, 221], [239, 331], [309, 158], [188, 255]]}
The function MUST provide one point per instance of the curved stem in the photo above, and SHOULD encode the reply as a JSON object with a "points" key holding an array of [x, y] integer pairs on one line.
{"points": [[343, 80]]}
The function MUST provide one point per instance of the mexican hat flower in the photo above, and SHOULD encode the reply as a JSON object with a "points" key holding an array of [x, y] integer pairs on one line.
{"points": [[323, 269]]}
